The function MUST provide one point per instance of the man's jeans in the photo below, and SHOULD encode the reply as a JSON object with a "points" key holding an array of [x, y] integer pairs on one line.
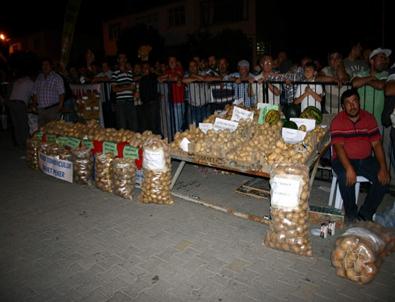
{"points": [[367, 168]]}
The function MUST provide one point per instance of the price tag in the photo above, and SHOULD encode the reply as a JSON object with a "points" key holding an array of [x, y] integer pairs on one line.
{"points": [[238, 101], [73, 142], [205, 127], [285, 191], [62, 140], [110, 147], [130, 152], [184, 145], [88, 144], [222, 124], [51, 138], [265, 108], [241, 114]]}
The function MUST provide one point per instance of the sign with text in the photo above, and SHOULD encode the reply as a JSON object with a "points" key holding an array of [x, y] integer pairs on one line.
{"points": [[52, 166], [222, 124], [241, 114], [110, 147], [130, 152], [205, 127]]}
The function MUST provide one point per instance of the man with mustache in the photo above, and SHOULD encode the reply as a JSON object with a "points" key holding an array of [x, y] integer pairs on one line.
{"points": [[354, 135]]}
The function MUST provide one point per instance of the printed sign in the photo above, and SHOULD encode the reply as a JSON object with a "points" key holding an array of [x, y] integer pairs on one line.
{"points": [[154, 159], [73, 142], [292, 136], [88, 144], [51, 138], [62, 140], [61, 169]]}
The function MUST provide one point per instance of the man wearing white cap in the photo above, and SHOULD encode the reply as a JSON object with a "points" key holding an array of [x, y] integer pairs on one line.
{"points": [[371, 83]]}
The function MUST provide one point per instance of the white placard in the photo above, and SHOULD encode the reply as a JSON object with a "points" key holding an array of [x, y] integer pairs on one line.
{"points": [[154, 159], [238, 101], [241, 114], [205, 127], [52, 166], [285, 191], [309, 123], [292, 136], [222, 124], [184, 145]]}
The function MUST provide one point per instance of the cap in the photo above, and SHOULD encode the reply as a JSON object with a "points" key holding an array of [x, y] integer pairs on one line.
{"points": [[377, 51], [243, 63]]}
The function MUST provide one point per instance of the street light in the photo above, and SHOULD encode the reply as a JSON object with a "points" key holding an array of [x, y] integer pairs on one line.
{"points": [[2, 37]]}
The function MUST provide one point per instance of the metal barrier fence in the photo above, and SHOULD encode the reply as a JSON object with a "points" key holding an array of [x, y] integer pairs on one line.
{"points": [[198, 100]]}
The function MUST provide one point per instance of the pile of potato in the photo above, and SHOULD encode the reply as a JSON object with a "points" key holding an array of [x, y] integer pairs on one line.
{"points": [[288, 230], [102, 171], [82, 165], [157, 172], [32, 151], [359, 252], [122, 177]]}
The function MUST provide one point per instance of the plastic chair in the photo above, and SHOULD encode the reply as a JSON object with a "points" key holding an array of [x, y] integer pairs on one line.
{"points": [[335, 192]]}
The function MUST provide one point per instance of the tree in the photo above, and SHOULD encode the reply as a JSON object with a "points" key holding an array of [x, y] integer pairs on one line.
{"points": [[141, 34]]}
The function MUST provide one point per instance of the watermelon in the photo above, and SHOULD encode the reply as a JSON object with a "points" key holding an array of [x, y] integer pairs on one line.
{"points": [[291, 110], [312, 112], [272, 117], [290, 125]]}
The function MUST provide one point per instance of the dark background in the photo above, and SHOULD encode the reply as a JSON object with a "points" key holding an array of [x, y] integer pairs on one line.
{"points": [[299, 27]]}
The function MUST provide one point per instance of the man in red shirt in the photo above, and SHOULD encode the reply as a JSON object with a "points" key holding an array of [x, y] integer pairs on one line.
{"points": [[354, 135]]}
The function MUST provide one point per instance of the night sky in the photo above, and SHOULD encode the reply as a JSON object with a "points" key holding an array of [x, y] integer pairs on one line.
{"points": [[290, 25]]}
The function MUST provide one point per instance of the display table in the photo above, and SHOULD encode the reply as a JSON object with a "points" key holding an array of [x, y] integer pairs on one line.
{"points": [[312, 162]]}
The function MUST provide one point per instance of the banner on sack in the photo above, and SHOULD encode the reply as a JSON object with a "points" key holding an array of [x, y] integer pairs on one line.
{"points": [[52, 166]]}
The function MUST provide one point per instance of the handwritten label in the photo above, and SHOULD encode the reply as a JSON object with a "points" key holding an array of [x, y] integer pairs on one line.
{"points": [[154, 159], [222, 124], [205, 127], [110, 147], [309, 123], [130, 152], [51, 138], [241, 114], [285, 191], [88, 144], [73, 142], [265, 108], [62, 140], [292, 136]]}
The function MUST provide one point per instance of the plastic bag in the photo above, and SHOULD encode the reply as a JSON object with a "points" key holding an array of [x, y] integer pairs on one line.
{"points": [[102, 171], [288, 230], [82, 165], [359, 252], [122, 177], [157, 172]]}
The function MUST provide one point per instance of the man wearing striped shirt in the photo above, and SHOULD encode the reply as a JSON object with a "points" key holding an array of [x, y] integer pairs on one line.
{"points": [[354, 135], [123, 86]]}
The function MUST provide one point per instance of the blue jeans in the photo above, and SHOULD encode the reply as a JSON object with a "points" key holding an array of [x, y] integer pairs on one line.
{"points": [[367, 168]]}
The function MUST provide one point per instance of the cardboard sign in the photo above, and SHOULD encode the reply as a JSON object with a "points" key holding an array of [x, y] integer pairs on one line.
{"points": [[62, 140], [285, 191], [292, 136]]}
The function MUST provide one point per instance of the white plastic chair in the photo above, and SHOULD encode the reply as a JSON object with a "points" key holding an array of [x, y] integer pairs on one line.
{"points": [[336, 192]]}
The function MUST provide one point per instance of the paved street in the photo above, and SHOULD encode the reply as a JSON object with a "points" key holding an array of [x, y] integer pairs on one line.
{"points": [[65, 242]]}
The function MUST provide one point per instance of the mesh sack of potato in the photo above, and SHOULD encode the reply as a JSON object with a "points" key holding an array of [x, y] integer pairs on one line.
{"points": [[82, 165], [122, 177], [360, 251], [32, 152], [157, 172], [288, 230], [102, 171]]}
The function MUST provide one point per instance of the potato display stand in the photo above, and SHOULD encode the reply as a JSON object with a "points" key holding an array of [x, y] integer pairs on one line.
{"points": [[263, 171]]}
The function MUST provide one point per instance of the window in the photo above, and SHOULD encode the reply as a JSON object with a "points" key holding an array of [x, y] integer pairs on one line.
{"points": [[177, 16], [113, 31], [220, 11]]}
